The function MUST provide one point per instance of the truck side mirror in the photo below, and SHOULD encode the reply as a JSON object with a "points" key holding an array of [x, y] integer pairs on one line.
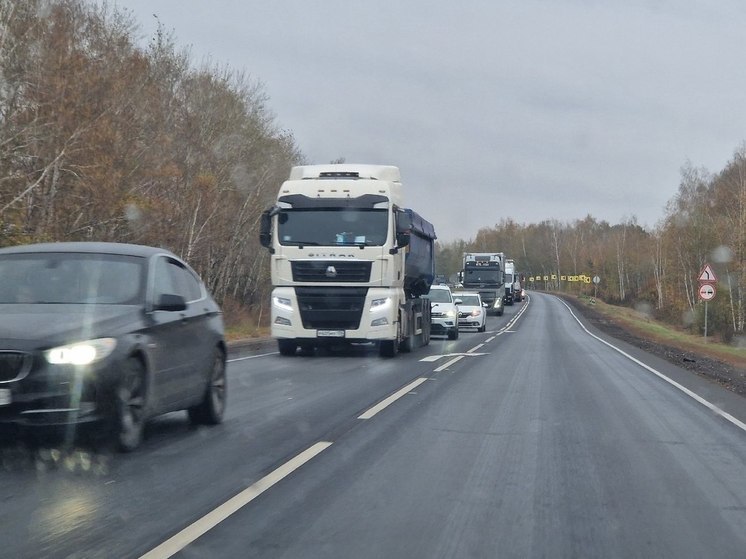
{"points": [[265, 229]]}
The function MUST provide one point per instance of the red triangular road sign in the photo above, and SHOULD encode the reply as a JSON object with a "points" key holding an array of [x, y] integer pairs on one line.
{"points": [[707, 275]]}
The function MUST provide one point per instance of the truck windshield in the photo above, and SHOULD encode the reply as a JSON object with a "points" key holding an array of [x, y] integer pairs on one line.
{"points": [[333, 226], [481, 275]]}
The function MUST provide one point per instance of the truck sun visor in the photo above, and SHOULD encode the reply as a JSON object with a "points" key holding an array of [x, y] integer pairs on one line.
{"points": [[363, 202]]}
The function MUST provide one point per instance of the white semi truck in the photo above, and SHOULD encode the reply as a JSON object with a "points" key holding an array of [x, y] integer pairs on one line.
{"points": [[349, 263], [510, 292]]}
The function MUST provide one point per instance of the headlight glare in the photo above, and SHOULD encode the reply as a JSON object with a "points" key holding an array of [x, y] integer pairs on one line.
{"points": [[81, 353], [380, 304], [283, 303]]}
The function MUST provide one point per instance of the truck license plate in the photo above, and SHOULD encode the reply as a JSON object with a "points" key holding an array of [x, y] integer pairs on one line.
{"points": [[330, 333], [5, 396]]}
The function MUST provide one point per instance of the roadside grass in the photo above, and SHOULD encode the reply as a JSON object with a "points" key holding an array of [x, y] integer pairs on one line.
{"points": [[244, 322], [644, 326], [244, 331]]}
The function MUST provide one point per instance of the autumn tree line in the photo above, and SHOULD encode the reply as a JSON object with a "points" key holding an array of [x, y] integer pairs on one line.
{"points": [[104, 139], [653, 270]]}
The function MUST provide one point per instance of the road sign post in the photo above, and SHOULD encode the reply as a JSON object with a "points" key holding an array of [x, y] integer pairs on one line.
{"points": [[707, 291]]}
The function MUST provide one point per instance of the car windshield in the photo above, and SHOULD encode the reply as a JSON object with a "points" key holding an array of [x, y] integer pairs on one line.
{"points": [[77, 278], [333, 226], [439, 296], [468, 300]]}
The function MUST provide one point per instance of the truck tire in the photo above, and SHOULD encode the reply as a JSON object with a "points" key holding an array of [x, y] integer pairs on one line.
{"points": [[286, 346], [408, 344], [388, 348]]}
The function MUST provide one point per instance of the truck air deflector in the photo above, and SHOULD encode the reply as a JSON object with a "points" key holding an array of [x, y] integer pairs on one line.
{"points": [[301, 201]]}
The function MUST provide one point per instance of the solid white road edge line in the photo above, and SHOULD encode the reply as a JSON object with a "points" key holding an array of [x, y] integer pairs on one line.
{"points": [[252, 357], [189, 534], [722, 413], [391, 399]]}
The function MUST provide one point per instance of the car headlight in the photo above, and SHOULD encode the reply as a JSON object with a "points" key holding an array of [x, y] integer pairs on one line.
{"points": [[476, 312], [81, 353], [283, 303], [451, 314], [380, 304]]}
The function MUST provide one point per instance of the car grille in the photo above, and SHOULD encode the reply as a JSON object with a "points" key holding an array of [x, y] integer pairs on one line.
{"points": [[337, 308], [437, 315], [14, 365], [331, 270], [464, 314]]}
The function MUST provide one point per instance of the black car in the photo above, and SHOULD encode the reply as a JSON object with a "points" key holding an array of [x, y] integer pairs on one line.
{"points": [[107, 333]]}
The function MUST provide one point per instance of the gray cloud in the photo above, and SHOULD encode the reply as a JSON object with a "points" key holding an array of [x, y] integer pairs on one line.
{"points": [[579, 107]]}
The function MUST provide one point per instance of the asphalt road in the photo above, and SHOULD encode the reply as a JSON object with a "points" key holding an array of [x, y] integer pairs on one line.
{"points": [[534, 439]]}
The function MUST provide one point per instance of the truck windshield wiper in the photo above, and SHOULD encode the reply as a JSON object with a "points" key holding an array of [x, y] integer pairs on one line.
{"points": [[361, 244], [300, 244]]}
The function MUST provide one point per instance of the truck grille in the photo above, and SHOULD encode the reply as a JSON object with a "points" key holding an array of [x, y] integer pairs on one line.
{"points": [[13, 365], [338, 308], [331, 270]]}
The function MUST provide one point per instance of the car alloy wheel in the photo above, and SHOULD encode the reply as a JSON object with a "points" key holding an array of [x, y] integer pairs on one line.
{"points": [[130, 405]]}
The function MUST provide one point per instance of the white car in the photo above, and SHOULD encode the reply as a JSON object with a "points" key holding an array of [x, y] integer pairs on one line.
{"points": [[472, 313], [444, 312]]}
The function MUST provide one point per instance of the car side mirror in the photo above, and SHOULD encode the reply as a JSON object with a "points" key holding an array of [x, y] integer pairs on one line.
{"points": [[170, 302], [457, 302]]}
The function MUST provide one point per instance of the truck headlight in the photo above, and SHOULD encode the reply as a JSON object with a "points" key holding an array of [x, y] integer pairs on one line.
{"points": [[283, 303], [81, 353], [377, 305]]}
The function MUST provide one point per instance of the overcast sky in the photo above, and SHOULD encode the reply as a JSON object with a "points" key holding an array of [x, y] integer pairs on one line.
{"points": [[529, 110]]}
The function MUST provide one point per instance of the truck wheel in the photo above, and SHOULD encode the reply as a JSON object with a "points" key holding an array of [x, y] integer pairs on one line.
{"points": [[407, 344], [388, 348], [286, 346], [307, 350]]}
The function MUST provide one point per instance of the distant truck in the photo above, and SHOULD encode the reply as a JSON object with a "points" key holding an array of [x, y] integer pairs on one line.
{"points": [[483, 272], [510, 288], [348, 262]]}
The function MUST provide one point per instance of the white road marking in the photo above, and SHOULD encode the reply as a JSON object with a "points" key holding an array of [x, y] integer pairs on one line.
{"points": [[488, 340], [189, 534], [252, 357], [709, 405], [432, 358], [448, 364], [472, 350], [391, 399]]}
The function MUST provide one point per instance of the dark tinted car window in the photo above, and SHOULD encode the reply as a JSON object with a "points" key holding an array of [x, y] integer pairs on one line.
{"points": [[187, 284], [173, 278], [72, 278]]}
